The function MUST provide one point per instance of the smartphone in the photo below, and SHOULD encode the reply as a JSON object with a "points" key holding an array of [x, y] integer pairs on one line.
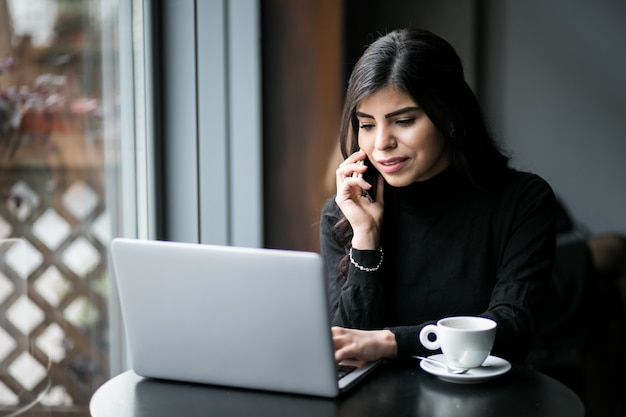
{"points": [[371, 176]]}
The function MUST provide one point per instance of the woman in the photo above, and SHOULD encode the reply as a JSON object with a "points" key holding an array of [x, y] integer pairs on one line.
{"points": [[450, 229]]}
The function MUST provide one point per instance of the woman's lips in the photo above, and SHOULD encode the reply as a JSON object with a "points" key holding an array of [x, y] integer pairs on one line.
{"points": [[391, 165]]}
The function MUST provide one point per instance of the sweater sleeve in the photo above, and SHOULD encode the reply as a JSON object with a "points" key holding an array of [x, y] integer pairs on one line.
{"points": [[357, 300], [525, 269]]}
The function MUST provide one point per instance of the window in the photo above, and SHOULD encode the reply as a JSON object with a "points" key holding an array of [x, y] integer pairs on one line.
{"points": [[93, 146], [66, 154]]}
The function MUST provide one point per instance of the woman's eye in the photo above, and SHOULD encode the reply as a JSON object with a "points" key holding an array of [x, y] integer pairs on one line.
{"points": [[405, 122], [366, 126]]}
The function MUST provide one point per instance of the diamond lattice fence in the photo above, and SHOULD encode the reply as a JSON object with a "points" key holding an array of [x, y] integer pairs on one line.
{"points": [[53, 310]]}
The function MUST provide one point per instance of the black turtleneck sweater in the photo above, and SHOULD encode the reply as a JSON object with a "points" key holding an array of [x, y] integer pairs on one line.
{"points": [[450, 249]]}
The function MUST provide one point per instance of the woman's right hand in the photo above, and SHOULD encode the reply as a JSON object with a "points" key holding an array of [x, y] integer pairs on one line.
{"points": [[365, 216], [367, 345]]}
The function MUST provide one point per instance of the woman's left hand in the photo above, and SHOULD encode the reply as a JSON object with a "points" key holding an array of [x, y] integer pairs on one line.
{"points": [[367, 345]]}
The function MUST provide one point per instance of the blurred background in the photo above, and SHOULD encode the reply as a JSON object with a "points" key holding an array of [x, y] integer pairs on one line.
{"points": [[216, 121]]}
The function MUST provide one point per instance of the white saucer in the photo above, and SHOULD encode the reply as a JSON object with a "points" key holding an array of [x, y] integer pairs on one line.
{"points": [[491, 368]]}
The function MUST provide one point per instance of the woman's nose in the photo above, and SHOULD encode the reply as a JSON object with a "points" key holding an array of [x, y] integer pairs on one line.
{"points": [[384, 139]]}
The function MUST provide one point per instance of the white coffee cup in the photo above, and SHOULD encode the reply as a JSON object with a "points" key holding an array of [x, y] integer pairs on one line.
{"points": [[465, 341]]}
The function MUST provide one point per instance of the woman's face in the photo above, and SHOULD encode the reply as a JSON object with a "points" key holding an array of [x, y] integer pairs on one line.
{"points": [[400, 140]]}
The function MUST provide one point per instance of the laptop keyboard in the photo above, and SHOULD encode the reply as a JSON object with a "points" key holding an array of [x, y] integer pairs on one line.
{"points": [[343, 370]]}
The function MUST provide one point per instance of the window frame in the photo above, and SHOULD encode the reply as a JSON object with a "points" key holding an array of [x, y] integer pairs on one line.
{"points": [[191, 150]]}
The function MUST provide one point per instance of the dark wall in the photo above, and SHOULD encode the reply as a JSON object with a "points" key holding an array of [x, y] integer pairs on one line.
{"points": [[302, 90]]}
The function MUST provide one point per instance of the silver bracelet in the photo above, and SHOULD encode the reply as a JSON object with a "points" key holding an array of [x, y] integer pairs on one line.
{"points": [[364, 268]]}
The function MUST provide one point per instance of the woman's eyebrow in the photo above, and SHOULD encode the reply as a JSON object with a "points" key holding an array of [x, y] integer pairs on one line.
{"points": [[388, 115], [364, 115], [401, 111]]}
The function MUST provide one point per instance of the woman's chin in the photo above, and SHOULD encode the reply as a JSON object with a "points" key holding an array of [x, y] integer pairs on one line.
{"points": [[394, 181]]}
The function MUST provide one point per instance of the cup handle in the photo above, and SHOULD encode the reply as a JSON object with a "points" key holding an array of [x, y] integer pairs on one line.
{"points": [[427, 331]]}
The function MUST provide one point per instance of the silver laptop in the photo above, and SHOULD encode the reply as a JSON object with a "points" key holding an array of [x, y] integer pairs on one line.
{"points": [[230, 316]]}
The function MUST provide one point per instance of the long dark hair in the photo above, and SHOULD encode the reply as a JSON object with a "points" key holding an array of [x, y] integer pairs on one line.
{"points": [[428, 69]]}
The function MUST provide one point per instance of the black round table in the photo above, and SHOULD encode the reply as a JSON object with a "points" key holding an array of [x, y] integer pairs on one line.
{"points": [[392, 390]]}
